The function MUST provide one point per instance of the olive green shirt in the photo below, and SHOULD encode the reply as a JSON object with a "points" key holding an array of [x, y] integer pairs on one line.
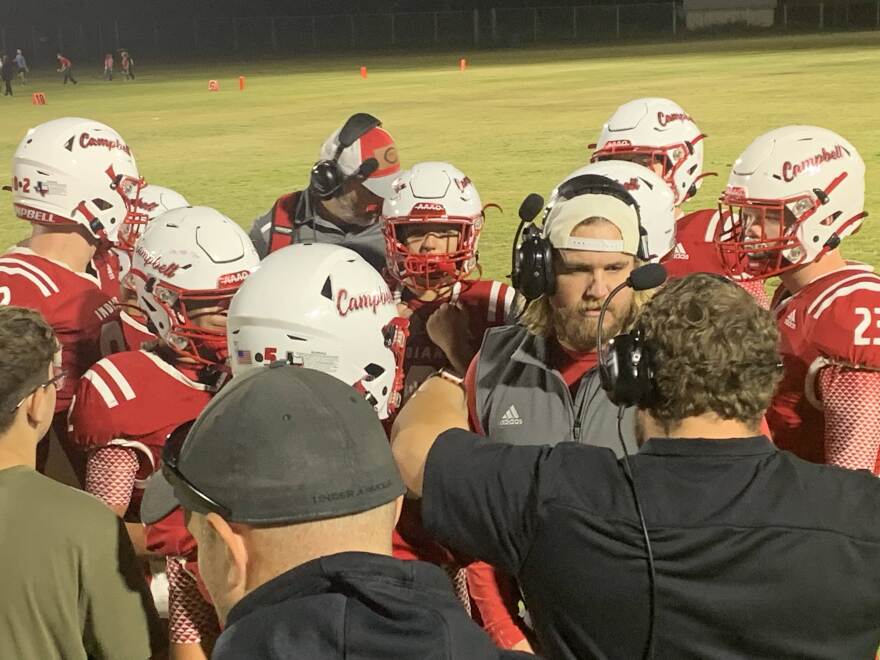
{"points": [[70, 585]]}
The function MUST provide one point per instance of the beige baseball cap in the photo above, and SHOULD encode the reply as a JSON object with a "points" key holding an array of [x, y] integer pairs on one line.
{"points": [[567, 214]]}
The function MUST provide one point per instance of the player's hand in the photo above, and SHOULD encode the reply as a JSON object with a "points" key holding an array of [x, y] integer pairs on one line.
{"points": [[404, 311], [449, 329]]}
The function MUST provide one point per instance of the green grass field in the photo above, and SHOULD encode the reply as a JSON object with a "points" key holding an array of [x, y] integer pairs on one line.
{"points": [[515, 121]]}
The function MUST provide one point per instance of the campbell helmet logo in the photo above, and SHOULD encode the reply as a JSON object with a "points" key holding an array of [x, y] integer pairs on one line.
{"points": [[791, 171], [154, 261], [666, 118], [347, 303], [611, 144], [230, 280], [632, 184], [35, 215], [462, 184], [86, 141]]}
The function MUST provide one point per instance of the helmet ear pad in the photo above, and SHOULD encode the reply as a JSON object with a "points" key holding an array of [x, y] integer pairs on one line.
{"points": [[326, 179], [533, 274]]}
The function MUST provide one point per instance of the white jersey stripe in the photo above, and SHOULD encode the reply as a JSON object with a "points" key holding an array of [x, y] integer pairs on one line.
{"points": [[174, 373], [28, 276], [29, 266], [114, 373], [509, 295], [831, 290], [845, 291], [101, 388], [491, 311]]}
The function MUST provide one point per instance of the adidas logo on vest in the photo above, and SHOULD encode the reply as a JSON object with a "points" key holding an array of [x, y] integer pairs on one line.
{"points": [[511, 417]]}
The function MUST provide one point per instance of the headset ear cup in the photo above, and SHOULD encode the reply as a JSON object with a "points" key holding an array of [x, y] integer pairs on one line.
{"points": [[326, 179], [531, 265], [626, 371]]}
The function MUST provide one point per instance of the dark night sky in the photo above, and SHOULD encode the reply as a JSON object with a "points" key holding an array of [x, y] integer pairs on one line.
{"points": [[36, 10]]}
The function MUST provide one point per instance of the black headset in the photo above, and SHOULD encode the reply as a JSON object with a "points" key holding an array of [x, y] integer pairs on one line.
{"points": [[532, 273], [327, 179]]}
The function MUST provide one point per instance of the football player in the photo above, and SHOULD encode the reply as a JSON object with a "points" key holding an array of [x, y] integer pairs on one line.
{"points": [[76, 182], [432, 223], [185, 269], [660, 135], [793, 195]]}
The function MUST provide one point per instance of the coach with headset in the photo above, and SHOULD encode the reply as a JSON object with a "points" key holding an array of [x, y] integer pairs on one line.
{"points": [[707, 543], [539, 378], [357, 165]]}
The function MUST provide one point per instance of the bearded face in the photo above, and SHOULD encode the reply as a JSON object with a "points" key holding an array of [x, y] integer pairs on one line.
{"points": [[583, 281]]}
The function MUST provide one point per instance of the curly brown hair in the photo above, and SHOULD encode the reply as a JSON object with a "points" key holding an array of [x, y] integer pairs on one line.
{"points": [[28, 346], [713, 350]]}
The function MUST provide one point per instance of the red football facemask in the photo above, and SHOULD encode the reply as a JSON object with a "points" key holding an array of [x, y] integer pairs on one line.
{"points": [[670, 158], [129, 189], [431, 253], [198, 322], [758, 238]]}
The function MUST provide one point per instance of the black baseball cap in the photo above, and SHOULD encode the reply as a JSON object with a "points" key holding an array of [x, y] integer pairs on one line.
{"points": [[285, 444]]}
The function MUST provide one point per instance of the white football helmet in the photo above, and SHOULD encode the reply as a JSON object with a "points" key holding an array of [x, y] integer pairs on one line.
{"points": [[323, 307], [439, 195], [186, 268], [655, 200], [792, 196], [655, 131], [153, 202], [75, 170]]}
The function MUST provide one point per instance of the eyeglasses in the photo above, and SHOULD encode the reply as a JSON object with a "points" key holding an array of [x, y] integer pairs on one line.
{"points": [[57, 380], [171, 471]]}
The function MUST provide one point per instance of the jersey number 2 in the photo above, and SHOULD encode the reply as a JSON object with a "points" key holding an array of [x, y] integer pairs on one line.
{"points": [[868, 319]]}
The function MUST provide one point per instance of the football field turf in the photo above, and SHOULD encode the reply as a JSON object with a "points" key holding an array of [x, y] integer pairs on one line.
{"points": [[515, 121]]}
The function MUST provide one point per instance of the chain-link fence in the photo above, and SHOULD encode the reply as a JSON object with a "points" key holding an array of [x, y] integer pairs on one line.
{"points": [[501, 27]]}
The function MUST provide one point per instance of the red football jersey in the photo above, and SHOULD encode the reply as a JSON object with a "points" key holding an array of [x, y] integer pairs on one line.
{"points": [[695, 252], [830, 336], [488, 304], [84, 317], [107, 270], [136, 334], [135, 399]]}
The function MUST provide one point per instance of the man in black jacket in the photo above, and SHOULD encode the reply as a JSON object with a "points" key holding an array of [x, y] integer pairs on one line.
{"points": [[754, 553], [291, 492]]}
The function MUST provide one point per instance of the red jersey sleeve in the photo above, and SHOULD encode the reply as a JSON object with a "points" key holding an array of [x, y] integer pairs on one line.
{"points": [[846, 323], [90, 420], [850, 400], [497, 600]]}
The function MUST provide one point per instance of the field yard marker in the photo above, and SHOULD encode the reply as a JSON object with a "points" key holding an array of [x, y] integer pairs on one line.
{"points": [[462, 64], [241, 83], [213, 86], [38, 98], [363, 72]]}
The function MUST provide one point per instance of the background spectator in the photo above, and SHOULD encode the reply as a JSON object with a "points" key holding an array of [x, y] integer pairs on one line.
{"points": [[65, 66], [21, 63], [71, 584], [108, 66], [7, 73]]}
